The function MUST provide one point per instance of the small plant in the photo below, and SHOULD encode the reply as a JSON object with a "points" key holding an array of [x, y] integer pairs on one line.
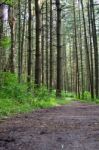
{"points": [[68, 94], [87, 96], [15, 97], [5, 42], [97, 101]]}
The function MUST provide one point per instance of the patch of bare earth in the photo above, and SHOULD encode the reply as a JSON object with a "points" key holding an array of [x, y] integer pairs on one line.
{"points": [[71, 127]]}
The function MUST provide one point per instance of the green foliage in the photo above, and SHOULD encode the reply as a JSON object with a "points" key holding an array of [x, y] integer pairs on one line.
{"points": [[68, 94], [8, 2], [43, 93], [10, 106], [15, 98], [10, 88], [87, 96], [97, 101], [44, 104], [7, 79], [5, 42]]}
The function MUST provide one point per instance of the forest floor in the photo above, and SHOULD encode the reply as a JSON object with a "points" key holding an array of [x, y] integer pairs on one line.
{"points": [[70, 127]]}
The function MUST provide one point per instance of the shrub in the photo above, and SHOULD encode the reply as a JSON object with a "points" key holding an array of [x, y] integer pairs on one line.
{"points": [[87, 96], [42, 93], [68, 94], [7, 79]]}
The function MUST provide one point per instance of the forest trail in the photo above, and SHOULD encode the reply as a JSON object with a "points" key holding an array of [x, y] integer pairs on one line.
{"points": [[71, 127]]}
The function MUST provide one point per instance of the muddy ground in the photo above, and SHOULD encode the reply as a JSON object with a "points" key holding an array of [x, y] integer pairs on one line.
{"points": [[71, 127]]}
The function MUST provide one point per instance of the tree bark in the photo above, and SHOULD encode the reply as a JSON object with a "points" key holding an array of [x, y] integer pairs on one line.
{"points": [[59, 50], [29, 44], [38, 53]]}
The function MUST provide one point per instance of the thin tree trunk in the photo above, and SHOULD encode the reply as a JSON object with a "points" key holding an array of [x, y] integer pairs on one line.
{"points": [[81, 53], [12, 27], [38, 54], [91, 55], [59, 51], [29, 44], [76, 49], [22, 40], [19, 42], [47, 44], [51, 46], [42, 47], [1, 34], [86, 46], [95, 44]]}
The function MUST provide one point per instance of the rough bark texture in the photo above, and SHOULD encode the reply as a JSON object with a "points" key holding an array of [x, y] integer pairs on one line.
{"points": [[95, 44], [29, 43], [38, 51], [59, 53], [12, 28]]}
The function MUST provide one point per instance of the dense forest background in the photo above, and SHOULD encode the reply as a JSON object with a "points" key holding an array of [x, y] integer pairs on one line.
{"points": [[49, 74], [51, 43]]}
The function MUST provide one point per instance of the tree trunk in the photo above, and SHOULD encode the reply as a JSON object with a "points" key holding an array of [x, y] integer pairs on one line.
{"points": [[51, 46], [29, 44], [12, 27], [47, 66], [1, 34], [95, 44], [38, 53], [59, 51]]}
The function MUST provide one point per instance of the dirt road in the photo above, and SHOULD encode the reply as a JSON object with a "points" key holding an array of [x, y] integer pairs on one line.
{"points": [[71, 127]]}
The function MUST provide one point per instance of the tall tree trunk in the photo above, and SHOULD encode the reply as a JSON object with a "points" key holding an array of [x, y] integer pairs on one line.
{"points": [[47, 44], [59, 51], [86, 46], [42, 48], [1, 34], [81, 53], [95, 44], [38, 53], [19, 42], [51, 46], [12, 27], [29, 44], [23, 38], [91, 52], [76, 49]]}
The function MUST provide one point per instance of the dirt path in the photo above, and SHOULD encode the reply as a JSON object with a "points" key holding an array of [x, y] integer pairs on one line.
{"points": [[72, 127]]}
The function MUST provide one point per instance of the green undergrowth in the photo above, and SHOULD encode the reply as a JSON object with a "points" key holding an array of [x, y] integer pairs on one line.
{"points": [[87, 98], [15, 98], [90, 101]]}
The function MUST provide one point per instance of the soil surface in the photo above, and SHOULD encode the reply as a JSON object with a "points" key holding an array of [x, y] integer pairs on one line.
{"points": [[70, 127]]}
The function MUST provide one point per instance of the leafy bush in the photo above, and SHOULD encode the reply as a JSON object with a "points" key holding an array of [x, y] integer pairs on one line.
{"points": [[87, 96], [15, 98], [97, 101], [7, 79], [68, 94], [43, 93], [10, 88]]}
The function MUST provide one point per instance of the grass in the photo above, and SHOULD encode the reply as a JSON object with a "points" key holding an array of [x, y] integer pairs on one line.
{"points": [[10, 107], [15, 99], [87, 99], [95, 101]]}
